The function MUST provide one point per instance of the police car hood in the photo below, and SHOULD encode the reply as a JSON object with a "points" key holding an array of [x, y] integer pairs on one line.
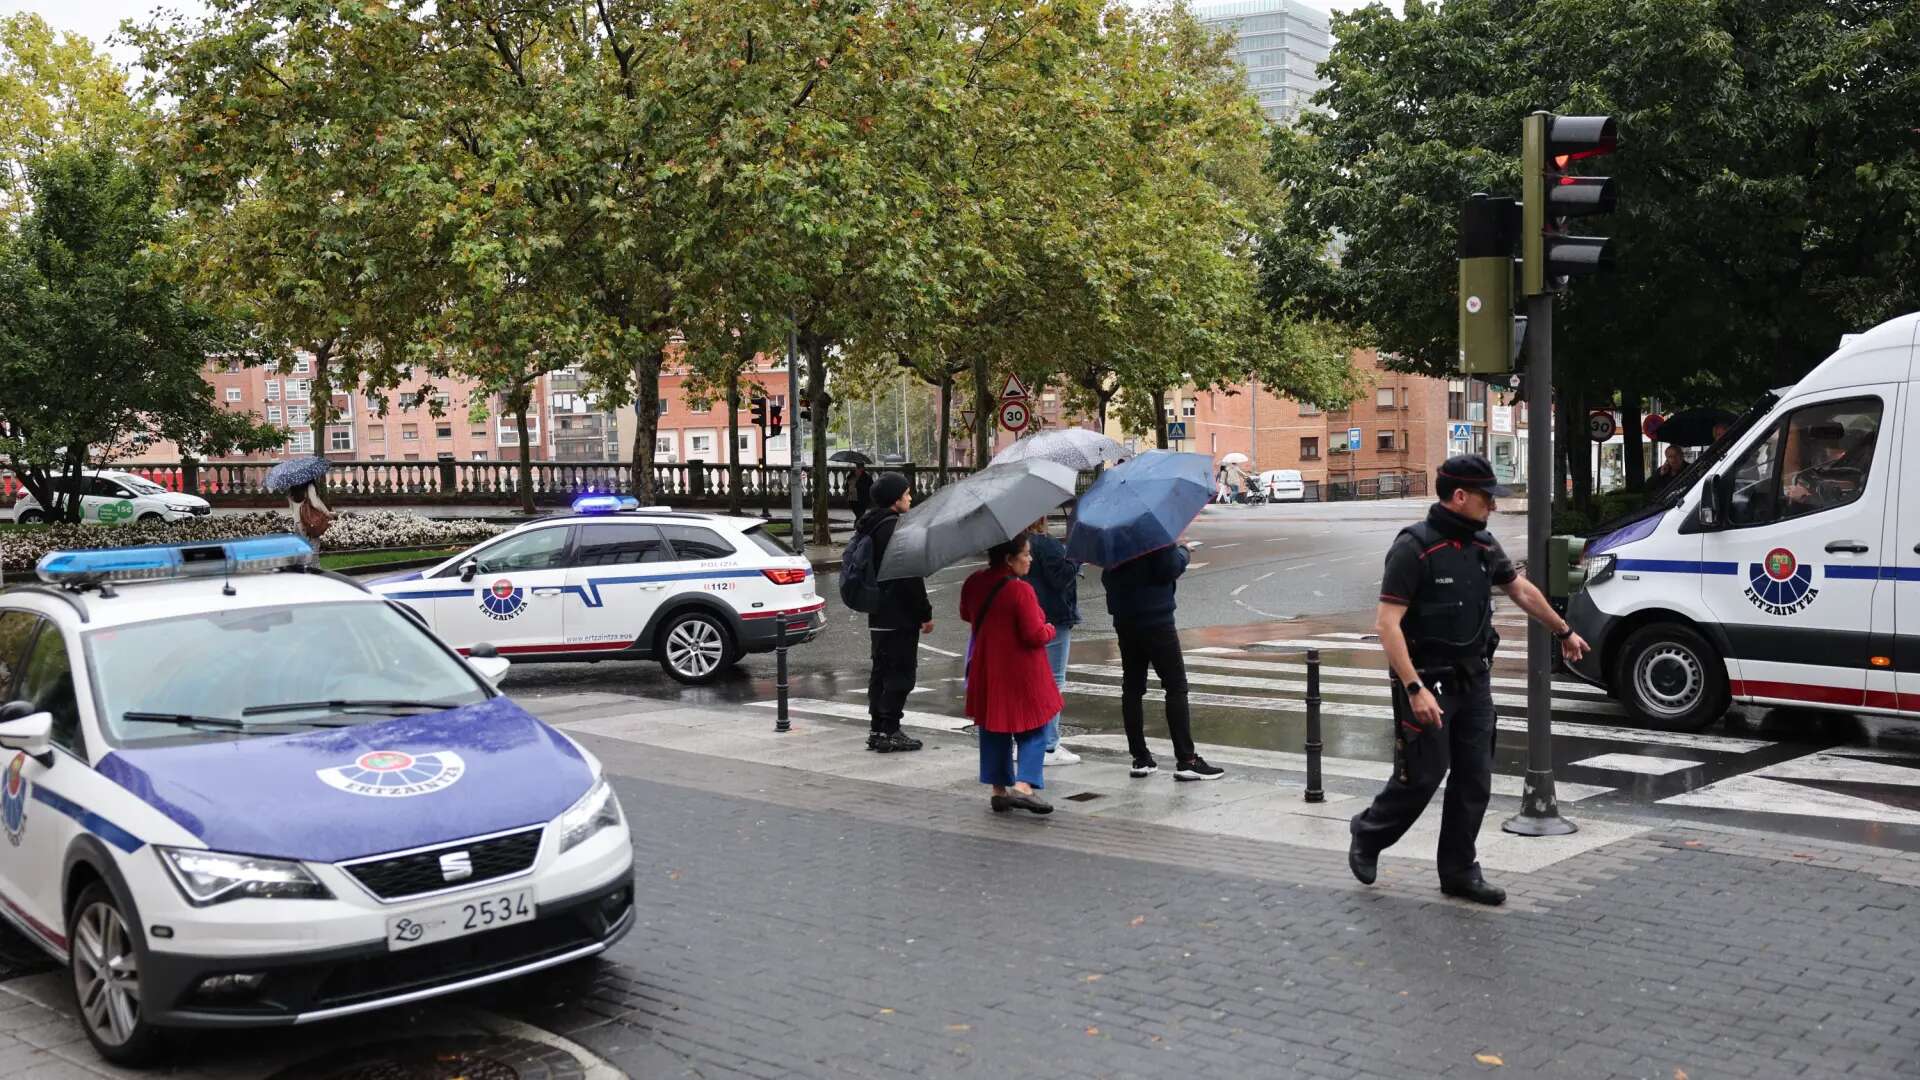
{"points": [[386, 785]]}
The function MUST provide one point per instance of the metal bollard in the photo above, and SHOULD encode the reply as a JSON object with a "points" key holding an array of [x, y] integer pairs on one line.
{"points": [[1314, 792], [780, 723]]}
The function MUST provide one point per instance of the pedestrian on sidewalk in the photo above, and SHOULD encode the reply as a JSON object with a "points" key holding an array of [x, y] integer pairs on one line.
{"points": [[1436, 624], [895, 624], [1009, 695], [1056, 581], [860, 491], [1140, 597]]}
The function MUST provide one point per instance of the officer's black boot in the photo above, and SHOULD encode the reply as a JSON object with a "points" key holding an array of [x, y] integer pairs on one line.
{"points": [[1364, 864], [1475, 888]]}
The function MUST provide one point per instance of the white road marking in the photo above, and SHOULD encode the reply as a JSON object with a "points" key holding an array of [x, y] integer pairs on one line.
{"points": [[1759, 794], [1263, 577], [938, 652], [1241, 589], [1303, 566], [910, 718], [1223, 547], [1348, 635], [1208, 658], [1276, 539], [1643, 764], [862, 691], [1373, 690], [1195, 566], [1372, 646], [1842, 767], [1385, 712]]}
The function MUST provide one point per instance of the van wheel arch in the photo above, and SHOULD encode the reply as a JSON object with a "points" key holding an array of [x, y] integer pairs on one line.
{"points": [[1667, 648]]}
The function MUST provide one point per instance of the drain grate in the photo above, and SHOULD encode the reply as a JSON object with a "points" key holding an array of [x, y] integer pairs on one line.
{"points": [[1084, 796], [453, 1057]]}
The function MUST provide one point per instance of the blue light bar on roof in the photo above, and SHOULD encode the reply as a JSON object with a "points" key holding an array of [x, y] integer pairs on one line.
{"points": [[156, 562], [604, 504]]}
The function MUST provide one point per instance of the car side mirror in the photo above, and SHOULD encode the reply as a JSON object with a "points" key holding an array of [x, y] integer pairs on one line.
{"points": [[15, 710], [1713, 502], [29, 734], [483, 650], [468, 569], [486, 660]]}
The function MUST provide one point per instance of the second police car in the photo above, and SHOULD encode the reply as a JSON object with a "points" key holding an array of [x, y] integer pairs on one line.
{"points": [[1784, 567], [610, 581], [239, 792]]}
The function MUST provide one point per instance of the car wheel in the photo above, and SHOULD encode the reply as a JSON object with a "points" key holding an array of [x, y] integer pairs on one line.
{"points": [[695, 647], [152, 518], [31, 517], [1670, 678], [105, 962]]}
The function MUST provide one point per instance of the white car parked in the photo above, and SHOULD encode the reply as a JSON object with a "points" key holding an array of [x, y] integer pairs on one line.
{"points": [[612, 581], [237, 797], [111, 497], [1283, 485]]}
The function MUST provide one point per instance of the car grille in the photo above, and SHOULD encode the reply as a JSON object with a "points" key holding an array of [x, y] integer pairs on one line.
{"points": [[202, 511], [419, 872]]}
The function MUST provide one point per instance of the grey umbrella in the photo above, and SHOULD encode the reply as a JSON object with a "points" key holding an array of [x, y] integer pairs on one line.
{"points": [[1077, 448], [291, 474], [971, 515]]}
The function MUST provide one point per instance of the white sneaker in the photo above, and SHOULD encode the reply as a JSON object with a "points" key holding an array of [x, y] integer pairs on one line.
{"points": [[1060, 755]]}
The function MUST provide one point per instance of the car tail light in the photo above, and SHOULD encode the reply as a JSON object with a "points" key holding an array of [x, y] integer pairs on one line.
{"points": [[787, 577]]}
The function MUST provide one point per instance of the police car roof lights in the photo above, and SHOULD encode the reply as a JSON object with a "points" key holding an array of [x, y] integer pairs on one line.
{"points": [[155, 562], [604, 504]]}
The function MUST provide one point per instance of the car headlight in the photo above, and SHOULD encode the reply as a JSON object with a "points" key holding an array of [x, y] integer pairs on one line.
{"points": [[1598, 569], [212, 877], [179, 508], [596, 810]]}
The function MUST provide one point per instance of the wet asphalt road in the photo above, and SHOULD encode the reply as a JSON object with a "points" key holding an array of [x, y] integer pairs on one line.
{"points": [[1266, 580]]}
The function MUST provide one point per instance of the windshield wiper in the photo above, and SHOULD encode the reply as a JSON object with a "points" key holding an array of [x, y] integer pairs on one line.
{"points": [[342, 705], [185, 720]]}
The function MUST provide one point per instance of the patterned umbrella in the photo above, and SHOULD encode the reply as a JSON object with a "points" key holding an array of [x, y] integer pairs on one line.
{"points": [[291, 474], [971, 515], [1077, 448]]}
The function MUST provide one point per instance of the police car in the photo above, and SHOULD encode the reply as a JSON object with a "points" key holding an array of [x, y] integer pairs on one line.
{"points": [[238, 791], [696, 592], [1784, 567]]}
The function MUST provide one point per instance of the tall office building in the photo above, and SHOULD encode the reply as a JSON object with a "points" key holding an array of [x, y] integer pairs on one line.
{"points": [[1280, 43]]}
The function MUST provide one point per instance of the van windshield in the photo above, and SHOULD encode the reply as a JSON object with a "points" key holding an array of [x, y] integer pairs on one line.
{"points": [[1675, 491]]}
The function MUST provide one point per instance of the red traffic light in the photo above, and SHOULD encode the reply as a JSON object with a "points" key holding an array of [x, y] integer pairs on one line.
{"points": [[1571, 138]]}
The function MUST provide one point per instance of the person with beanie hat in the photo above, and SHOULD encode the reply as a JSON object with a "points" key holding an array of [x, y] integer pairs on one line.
{"points": [[894, 625]]}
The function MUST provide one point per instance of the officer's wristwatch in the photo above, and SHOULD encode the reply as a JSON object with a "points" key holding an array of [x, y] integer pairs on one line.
{"points": [[1562, 635], [1415, 687]]}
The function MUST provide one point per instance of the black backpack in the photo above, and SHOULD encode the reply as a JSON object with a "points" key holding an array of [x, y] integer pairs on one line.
{"points": [[859, 577]]}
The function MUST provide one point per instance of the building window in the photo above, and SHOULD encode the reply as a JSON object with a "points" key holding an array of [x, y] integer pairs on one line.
{"points": [[442, 401], [1308, 408], [662, 445], [695, 407], [1310, 449], [376, 457], [409, 457], [233, 366], [233, 393], [296, 389], [298, 414], [663, 406], [340, 438], [1385, 439], [443, 431], [376, 433], [1383, 397], [301, 442], [699, 444], [1189, 407], [302, 366], [409, 433], [273, 390], [479, 455], [273, 414], [409, 401], [746, 442]]}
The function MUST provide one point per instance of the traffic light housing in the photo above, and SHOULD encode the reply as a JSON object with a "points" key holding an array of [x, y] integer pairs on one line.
{"points": [[1550, 195], [759, 407], [1487, 327], [773, 418]]}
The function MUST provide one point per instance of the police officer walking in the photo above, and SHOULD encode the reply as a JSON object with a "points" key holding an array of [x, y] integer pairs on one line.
{"points": [[1436, 625]]}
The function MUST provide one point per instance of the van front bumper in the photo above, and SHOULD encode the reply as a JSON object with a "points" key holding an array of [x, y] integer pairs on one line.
{"points": [[1596, 627]]}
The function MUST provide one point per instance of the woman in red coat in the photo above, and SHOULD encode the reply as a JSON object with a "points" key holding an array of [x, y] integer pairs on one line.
{"points": [[1010, 691]]}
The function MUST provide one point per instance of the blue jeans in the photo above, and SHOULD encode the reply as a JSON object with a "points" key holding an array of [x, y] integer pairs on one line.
{"points": [[1057, 660], [996, 757]]}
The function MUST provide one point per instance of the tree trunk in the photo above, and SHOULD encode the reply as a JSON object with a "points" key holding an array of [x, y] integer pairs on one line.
{"points": [[1160, 418], [646, 408], [320, 399], [946, 421], [1633, 456], [733, 441], [982, 413], [814, 348], [521, 400]]}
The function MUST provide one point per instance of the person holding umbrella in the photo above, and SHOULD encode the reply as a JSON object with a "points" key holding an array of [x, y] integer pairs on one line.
{"points": [[1009, 695], [860, 486], [1055, 578], [300, 479], [894, 625]]}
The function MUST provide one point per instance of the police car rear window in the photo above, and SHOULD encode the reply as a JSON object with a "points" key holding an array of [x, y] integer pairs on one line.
{"points": [[693, 542], [765, 542]]}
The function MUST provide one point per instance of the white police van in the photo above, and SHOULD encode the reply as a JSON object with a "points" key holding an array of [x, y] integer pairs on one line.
{"points": [[612, 581], [239, 791], [1783, 568]]}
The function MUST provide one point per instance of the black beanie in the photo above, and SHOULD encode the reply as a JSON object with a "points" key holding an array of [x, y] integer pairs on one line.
{"points": [[888, 489]]}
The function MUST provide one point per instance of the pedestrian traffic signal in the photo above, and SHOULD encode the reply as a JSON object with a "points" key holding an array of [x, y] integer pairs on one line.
{"points": [[759, 408], [773, 418], [1550, 195]]}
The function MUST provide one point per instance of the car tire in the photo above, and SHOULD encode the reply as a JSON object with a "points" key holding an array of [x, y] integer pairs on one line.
{"points": [[31, 517], [104, 964], [695, 647], [152, 518], [1671, 678]]}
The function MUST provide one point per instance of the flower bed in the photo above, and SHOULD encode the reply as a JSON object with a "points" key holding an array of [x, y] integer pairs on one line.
{"points": [[352, 531]]}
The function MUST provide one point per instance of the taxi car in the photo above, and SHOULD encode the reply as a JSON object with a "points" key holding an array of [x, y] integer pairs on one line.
{"points": [[612, 581], [116, 498], [240, 791]]}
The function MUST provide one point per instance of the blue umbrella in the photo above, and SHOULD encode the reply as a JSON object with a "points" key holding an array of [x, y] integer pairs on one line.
{"points": [[1140, 506], [291, 474]]}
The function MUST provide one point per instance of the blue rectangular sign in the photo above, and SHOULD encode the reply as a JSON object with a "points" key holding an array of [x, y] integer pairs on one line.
{"points": [[1177, 430], [1353, 438]]}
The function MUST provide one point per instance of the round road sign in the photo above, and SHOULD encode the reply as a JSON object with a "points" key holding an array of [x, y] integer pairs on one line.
{"points": [[1601, 426], [1013, 415]]}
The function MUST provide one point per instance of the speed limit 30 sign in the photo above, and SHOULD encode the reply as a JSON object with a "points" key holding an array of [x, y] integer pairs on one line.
{"points": [[1013, 415]]}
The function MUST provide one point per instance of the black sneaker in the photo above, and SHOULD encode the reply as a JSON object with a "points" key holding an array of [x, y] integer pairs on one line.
{"points": [[1143, 766], [901, 743], [879, 743], [1196, 768]]}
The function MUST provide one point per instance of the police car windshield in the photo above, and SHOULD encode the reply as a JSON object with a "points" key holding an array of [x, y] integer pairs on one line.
{"points": [[223, 665]]}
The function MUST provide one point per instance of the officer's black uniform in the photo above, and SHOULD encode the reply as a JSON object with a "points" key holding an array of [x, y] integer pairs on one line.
{"points": [[1444, 570]]}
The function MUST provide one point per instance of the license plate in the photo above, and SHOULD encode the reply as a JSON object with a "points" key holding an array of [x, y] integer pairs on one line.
{"points": [[459, 919]]}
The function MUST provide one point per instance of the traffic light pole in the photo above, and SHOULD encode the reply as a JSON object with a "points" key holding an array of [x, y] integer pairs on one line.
{"points": [[795, 484], [1539, 807]]}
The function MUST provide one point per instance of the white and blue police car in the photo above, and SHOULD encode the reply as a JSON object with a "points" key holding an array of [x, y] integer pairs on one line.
{"points": [[240, 791], [613, 581]]}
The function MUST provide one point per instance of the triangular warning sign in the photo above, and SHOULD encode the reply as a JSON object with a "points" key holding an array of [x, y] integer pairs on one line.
{"points": [[1013, 391]]}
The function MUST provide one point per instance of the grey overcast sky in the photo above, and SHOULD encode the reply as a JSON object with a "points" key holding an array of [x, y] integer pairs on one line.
{"points": [[99, 19]]}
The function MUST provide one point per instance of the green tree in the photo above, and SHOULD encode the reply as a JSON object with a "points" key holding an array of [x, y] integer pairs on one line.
{"points": [[99, 354], [55, 90]]}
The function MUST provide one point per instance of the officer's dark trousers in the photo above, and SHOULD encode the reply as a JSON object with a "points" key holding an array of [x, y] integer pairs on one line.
{"points": [[896, 661], [1157, 647], [1422, 758]]}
